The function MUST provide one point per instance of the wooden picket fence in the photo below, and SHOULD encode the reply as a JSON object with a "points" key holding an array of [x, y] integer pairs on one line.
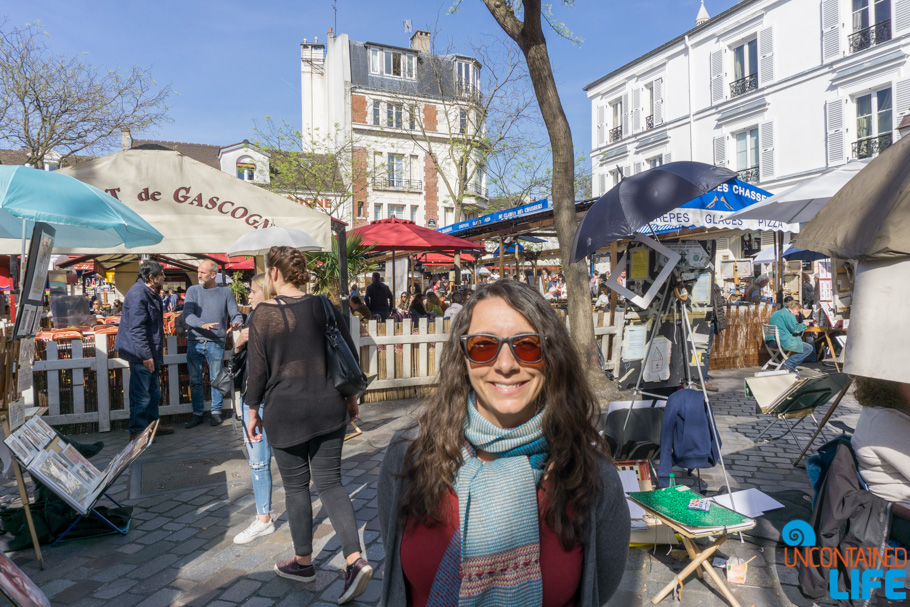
{"points": [[403, 357]]}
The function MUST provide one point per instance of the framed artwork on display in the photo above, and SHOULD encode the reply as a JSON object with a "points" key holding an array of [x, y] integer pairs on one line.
{"points": [[31, 299]]}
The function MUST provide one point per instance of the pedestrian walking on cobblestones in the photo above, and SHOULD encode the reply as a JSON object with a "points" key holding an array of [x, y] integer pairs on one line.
{"points": [[306, 416], [502, 493], [258, 451]]}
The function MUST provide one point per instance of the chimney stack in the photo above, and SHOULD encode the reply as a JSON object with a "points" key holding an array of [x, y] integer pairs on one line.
{"points": [[420, 41], [126, 140]]}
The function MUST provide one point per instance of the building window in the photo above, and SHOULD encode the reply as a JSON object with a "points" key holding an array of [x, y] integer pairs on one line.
{"points": [[616, 113], [615, 177], [393, 115], [412, 117], [359, 209], [376, 110], [399, 65], [747, 155], [396, 170], [377, 212], [649, 105], [873, 123], [246, 170], [467, 78], [375, 61], [871, 24], [414, 214], [655, 162], [462, 122], [448, 216], [745, 68], [396, 211]]}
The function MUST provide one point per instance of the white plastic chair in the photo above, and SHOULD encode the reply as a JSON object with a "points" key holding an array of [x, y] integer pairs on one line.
{"points": [[778, 356]]}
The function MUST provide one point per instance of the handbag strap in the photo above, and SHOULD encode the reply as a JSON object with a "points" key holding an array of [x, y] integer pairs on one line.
{"points": [[327, 308]]}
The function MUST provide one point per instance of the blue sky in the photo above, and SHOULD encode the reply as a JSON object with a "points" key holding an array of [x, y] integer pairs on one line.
{"points": [[231, 62]]}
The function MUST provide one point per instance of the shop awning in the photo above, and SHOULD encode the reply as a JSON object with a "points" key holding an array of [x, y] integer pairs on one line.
{"points": [[197, 208]]}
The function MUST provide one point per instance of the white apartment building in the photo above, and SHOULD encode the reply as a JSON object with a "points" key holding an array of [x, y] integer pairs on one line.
{"points": [[394, 104], [778, 90]]}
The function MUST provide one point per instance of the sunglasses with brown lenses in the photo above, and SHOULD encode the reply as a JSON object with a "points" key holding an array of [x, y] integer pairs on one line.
{"points": [[481, 348]]}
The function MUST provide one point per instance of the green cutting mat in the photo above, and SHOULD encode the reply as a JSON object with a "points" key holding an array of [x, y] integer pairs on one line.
{"points": [[673, 502]]}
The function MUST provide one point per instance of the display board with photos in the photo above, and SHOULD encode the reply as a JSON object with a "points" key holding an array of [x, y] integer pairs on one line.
{"points": [[689, 281], [30, 310], [18, 588], [63, 469]]}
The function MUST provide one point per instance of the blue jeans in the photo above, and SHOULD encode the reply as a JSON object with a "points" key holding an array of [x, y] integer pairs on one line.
{"points": [[260, 455], [795, 358], [145, 394], [212, 353]]}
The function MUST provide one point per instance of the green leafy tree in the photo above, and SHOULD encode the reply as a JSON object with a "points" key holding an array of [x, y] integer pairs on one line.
{"points": [[239, 288], [54, 104], [316, 169]]}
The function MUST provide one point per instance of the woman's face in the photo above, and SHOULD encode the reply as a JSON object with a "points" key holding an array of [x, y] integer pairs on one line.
{"points": [[256, 295], [506, 390]]}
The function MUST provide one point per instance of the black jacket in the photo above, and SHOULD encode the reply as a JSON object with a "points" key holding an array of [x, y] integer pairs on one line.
{"points": [[379, 299], [141, 333], [720, 309], [845, 515]]}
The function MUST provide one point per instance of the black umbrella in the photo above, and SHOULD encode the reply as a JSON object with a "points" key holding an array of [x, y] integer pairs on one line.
{"points": [[639, 199]]}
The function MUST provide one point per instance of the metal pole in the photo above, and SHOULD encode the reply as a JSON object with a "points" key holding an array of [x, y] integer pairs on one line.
{"points": [[341, 239]]}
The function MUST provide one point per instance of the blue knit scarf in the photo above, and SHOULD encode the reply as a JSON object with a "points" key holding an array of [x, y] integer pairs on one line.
{"points": [[494, 559]]}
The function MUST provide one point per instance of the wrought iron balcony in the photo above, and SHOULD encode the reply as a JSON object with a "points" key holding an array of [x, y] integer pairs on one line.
{"points": [[616, 134], [398, 185], [743, 85], [869, 37], [749, 175], [649, 122], [474, 189], [871, 146]]}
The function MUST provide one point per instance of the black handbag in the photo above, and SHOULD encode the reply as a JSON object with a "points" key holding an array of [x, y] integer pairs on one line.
{"points": [[340, 363], [224, 381]]}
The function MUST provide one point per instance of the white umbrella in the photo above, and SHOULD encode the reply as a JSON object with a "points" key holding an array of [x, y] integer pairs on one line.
{"points": [[801, 202], [222, 279], [768, 255], [258, 242]]}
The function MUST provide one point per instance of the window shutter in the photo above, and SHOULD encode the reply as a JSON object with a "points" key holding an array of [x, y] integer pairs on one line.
{"points": [[834, 114], [667, 158], [767, 239], [901, 16], [659, 100], [626, 171], [766, 145], [765, 56], [602, 182], [723, 244], [717, 76], [637, 168], [720, 151], [636, 110], [625, 115], [831, 29], [600, 124], [901, 103]]}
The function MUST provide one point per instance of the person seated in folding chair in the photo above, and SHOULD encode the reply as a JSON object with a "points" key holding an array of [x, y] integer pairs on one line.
{"points": [[789, 330], [882, 449]]}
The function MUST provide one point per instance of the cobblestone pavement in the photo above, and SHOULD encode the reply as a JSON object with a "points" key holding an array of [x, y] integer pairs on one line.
{"points": [[179, 550]]}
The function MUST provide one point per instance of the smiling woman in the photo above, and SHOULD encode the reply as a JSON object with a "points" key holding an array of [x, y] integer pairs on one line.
{"points": [[502, 491]]}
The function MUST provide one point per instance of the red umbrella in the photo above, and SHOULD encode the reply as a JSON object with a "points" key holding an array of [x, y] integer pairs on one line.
{"points": [[402, 235]]}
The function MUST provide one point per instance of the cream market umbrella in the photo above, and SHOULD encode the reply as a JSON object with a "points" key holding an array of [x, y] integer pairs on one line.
{"points": [[801, 202], [869, 218], [258, 242]]}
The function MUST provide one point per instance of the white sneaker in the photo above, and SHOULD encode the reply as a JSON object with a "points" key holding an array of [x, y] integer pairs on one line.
{"points": [[256, 529]]}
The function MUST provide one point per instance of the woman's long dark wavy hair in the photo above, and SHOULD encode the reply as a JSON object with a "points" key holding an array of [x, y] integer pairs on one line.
{"points": [[570, 413]]}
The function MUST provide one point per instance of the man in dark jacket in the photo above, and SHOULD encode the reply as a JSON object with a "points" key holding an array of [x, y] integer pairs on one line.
{"points": [[140, 340], [718, 326], [379, 298]]}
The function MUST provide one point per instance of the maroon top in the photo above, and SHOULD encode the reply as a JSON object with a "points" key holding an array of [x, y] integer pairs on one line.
{"points": [[422, 549]]}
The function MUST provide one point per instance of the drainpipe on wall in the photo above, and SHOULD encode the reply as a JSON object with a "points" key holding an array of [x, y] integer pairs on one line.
{"points": [[691, 110]]}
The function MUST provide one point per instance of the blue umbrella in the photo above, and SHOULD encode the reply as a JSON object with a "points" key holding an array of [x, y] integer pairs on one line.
{"points": [[794, 254], [81, 214], [641, 198]]}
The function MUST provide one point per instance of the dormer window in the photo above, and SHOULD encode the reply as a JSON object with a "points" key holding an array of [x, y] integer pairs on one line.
{"points": [[392, 63], [467, 78]]}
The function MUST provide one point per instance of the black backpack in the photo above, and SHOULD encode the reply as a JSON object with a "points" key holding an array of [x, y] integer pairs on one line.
{"points": [[180, 326]]}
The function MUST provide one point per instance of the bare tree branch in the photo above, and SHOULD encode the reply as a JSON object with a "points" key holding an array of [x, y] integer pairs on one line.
{"points": [[50, 102]]}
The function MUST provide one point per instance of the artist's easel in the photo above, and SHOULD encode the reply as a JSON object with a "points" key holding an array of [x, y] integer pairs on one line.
{"points": [[9, 393]]}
